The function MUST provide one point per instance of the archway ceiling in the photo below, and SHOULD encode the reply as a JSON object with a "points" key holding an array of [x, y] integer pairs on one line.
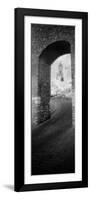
{"points": [[54, 50]]}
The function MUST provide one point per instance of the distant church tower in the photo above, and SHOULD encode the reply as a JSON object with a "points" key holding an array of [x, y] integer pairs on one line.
{"points": [[60, 74]]}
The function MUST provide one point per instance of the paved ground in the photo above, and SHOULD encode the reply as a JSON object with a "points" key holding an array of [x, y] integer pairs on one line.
{"points": [[53, 141]]}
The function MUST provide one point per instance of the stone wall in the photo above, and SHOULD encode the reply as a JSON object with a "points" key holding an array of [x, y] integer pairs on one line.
{"points": [[41, 37]]}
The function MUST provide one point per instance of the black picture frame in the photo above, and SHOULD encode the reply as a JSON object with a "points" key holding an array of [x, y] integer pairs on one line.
{"points": [[19, 99]]}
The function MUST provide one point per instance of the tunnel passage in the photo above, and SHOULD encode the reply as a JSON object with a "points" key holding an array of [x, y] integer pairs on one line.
{"points": [[46, 58]]}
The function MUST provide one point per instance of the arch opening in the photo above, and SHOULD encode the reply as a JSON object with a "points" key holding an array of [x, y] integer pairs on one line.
{"points": [[56, 52], [61, 76]]}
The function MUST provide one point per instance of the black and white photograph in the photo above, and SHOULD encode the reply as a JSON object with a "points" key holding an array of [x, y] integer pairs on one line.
{"points": [[51, 95], [53, 89]]}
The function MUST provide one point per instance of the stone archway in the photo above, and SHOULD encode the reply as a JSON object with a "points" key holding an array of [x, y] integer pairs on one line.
{"points": [[46, 58]]}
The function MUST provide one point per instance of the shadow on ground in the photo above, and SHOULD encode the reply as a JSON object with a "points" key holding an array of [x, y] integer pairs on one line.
{"points": [[10, 187], [53, 142]]}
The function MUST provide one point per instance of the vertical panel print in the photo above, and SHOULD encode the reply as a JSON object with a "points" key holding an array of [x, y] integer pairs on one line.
{"points": [[53, 98]]}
